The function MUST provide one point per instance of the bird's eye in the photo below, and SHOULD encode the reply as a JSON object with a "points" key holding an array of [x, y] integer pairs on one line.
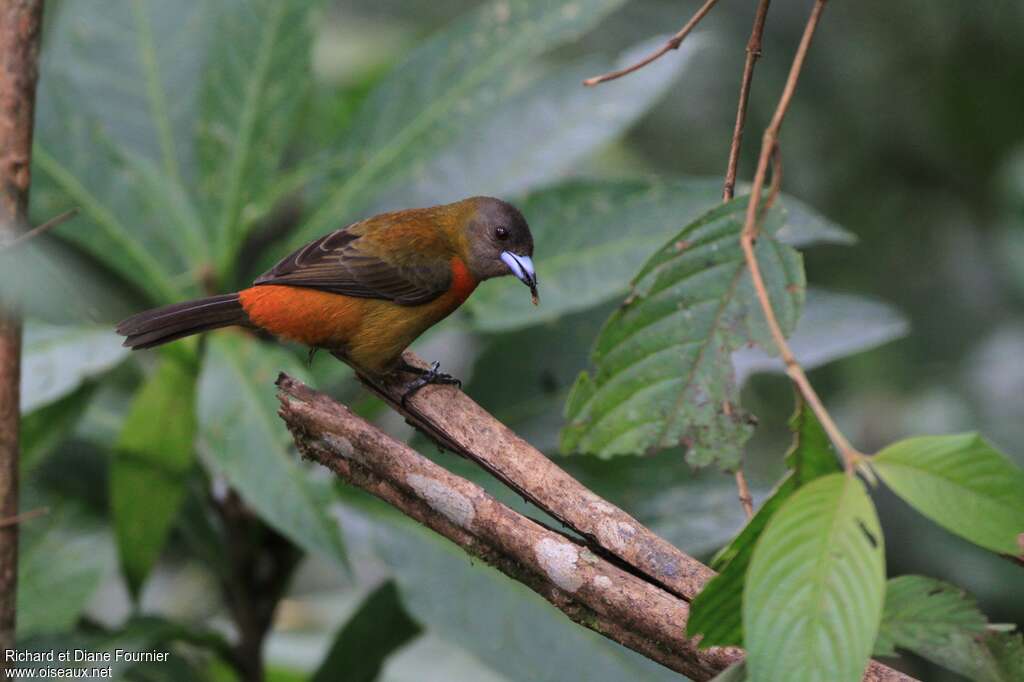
{"points": [[501, 233]]}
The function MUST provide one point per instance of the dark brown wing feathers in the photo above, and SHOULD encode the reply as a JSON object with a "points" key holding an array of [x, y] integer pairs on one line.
{"points": [[343, 262]]}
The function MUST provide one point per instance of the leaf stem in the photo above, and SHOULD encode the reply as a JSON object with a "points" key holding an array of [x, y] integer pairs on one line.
{"points": [[673, 43], [769, 142]]}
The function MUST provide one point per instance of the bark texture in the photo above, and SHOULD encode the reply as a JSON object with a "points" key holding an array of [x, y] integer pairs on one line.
{"points": [[20, 26]]}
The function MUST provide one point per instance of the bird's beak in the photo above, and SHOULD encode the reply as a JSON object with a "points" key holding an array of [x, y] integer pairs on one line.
{"points": [[522, 268]]}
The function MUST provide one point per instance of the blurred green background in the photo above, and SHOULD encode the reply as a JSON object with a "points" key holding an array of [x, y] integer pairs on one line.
{"points": [[907, 131]]}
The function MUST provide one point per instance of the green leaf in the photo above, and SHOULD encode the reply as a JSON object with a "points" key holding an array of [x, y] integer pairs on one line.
{"points": [[942, 623], [377, 629], [717, 612], [63, 559], [993, 657], [152, 460], [257, 75], [134, 70], [540, 133], [242, 439], [141, 256], [922, 614], [815, 586], [454, 79], [58, 359], [121, 84], [806, 227], [832, 326], [44, 429], [962, 483], [664, 374]]}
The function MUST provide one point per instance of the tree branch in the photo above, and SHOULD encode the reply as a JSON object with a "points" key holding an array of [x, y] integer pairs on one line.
{"points": [[673, 43], [589, 589], [20, 26], [589, 583], [455, 422]]}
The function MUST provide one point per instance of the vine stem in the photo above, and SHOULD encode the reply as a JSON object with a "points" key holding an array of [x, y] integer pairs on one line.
{"points": [[748, 238], [673, 43]]}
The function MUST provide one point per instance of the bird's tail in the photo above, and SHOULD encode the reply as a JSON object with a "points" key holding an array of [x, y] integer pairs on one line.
{"points": [[160, 325]]}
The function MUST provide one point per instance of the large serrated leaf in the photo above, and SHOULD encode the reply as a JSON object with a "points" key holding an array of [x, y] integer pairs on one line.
{"points": [[242, 439], [149, 470], [453, 80], [813, 599], [664, 374], [942, 623], [922, 613], [257, 73], [962, 483], [717, 612]]}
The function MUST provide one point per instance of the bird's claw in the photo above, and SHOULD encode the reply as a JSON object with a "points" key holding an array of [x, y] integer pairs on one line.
{"points": [[425, 377]]}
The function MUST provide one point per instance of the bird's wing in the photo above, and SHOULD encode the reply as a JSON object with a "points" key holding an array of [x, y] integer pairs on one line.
{"points": [[347, 262]]}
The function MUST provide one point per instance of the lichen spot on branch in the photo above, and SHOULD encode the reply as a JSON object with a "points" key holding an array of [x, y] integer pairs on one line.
{"points": [[446, 501], [342, 446], [558, 559]]}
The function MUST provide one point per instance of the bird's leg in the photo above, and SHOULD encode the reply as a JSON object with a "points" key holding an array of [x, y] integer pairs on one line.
{"points": [[424, 377], [312, 354]]}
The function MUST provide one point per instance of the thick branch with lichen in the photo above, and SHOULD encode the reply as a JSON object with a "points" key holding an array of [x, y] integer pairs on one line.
{"points": [[588, 588], [591, 581], [457, 423]]}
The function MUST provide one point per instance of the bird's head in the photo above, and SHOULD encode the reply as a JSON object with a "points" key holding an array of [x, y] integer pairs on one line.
{"points": [[498, 242]]}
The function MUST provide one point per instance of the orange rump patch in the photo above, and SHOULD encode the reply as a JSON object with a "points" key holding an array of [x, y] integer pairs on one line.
{"points": [[310, 316]]}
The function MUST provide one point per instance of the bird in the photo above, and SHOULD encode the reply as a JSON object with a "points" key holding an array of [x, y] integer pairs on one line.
{"points": [[366, 291]]}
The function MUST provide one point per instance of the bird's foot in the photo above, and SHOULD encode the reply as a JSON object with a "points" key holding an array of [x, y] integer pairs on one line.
{"points": [[425, 377], [312, 354]]}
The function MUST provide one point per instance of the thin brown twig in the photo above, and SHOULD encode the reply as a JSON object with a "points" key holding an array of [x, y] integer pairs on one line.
{"points": [[750, 231], [40, 230], [673, 43], [23, 516], [776, 184], [744, 494], [753, 54]]}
